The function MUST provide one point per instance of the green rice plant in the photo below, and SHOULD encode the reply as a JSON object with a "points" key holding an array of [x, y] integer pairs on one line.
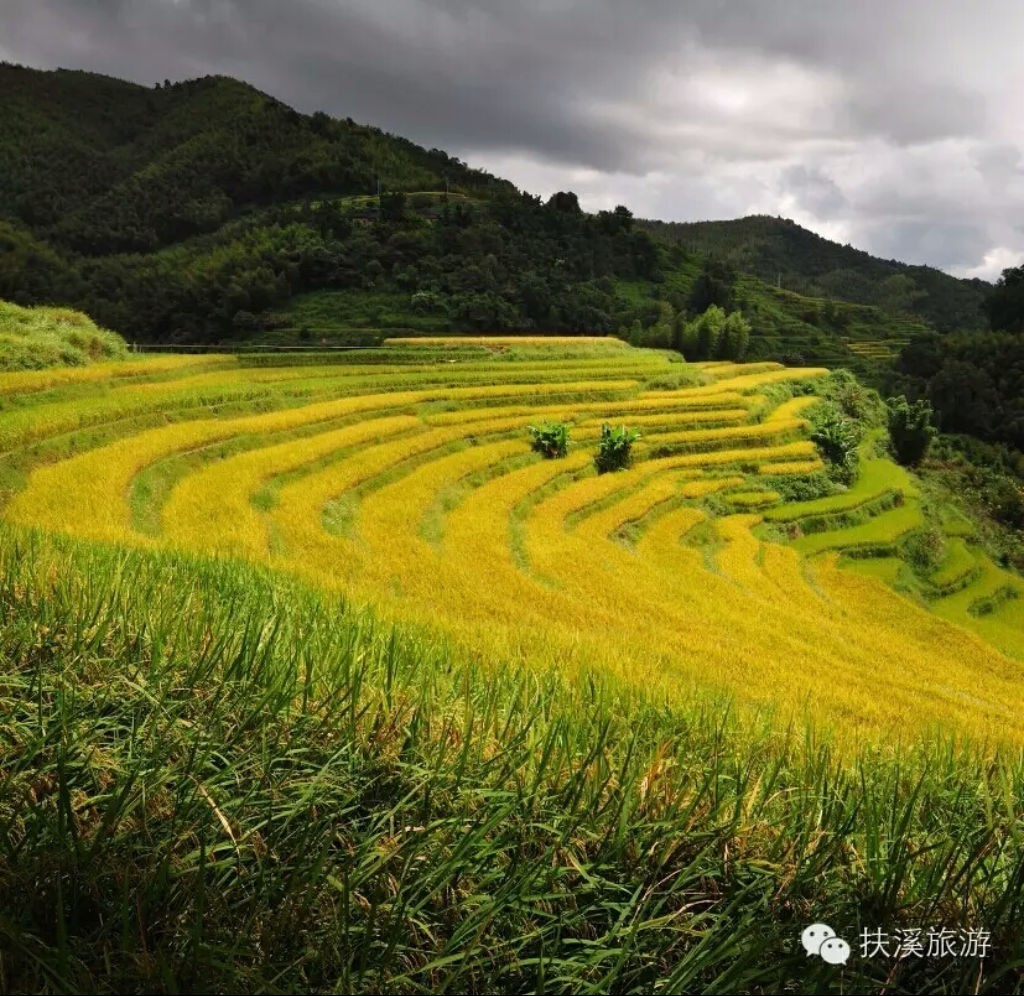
{"points": [[879, 532], [958, 564]]}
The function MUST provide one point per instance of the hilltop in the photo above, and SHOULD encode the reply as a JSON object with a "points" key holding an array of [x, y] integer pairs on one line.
{"points": [[100, 166]]}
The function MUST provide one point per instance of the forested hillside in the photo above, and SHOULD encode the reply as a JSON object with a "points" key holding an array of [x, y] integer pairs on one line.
{"points": [[207, 211], [779, 250], [181, 212]]}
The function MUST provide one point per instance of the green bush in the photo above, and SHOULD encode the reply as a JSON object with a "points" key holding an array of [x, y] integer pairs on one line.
{"points": [[806, 487], [33, 338], [615, 449], [856, 401], [837, 439], [925, 549], [550, 439], [910, 429]]}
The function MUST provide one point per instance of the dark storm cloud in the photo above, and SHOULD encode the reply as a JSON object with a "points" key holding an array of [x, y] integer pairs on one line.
{"points": [[918, 114], [815, 190], [828, 111], [946, 244]]}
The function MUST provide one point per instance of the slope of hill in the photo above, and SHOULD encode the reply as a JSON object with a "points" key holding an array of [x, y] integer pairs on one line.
{"points": [[326, 681], [32, 338], [775, 249], [377, 473]]}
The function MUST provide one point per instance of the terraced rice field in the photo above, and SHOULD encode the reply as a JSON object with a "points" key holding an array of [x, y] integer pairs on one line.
{"points": [[403, 477]]}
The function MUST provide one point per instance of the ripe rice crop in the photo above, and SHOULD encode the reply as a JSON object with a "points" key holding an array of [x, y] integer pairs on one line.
{"points": [[632, 508], [752, 499], [791, 467], [635, 408], [390, 703], [684, 416], [410, 485], [508, 340], [27, 381], [701, 489]]}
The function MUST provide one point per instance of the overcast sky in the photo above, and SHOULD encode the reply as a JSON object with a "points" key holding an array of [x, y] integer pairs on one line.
{"points": [[891, 124]]}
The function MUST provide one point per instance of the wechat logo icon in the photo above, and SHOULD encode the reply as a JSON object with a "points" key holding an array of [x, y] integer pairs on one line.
{"points": [[820, 939]]}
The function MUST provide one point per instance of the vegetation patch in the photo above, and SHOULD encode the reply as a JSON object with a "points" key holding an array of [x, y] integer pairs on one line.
{"points": [[36, 338]]}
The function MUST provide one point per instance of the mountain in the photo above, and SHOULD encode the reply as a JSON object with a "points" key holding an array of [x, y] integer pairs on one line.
{"points": [[207, 211], [100, 166], [780, 251]]}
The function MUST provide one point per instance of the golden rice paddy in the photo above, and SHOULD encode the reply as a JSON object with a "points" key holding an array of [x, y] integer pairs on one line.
{"points": [[405, 480]]}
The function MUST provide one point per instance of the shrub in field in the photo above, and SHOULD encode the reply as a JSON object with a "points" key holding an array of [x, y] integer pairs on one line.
{"points": [[925, 549], [804, 487], [856, 401], [551, 439], [615, 448], [910, 429], [837, 438]]}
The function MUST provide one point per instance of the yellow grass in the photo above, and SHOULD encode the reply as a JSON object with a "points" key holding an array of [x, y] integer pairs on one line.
{"points": [[507, 340], [445, 519], [40, 380], [794, 467]]}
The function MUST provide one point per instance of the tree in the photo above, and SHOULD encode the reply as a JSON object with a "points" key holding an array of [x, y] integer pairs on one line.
{"points": [[679, 332], [615, 448], [392, 206], [1005, 305], [910, 429], [714, 285], [550, 439], [837, 438], [703, 334], [898, 294], [661, 332], [566, 202], [735, 337]]}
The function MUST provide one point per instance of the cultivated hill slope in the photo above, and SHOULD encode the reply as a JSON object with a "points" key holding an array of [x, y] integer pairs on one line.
{"points": [[770, 248], [404, 478], [518, 763]]}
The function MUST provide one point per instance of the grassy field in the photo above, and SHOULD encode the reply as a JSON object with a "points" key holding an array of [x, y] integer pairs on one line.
{"points": [[34, 338], [320, 679]]}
